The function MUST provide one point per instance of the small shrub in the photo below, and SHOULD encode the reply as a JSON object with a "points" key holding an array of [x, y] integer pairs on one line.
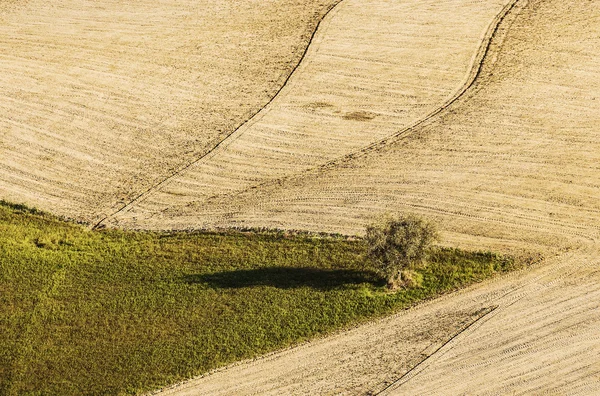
{"points": [[398, 244]]}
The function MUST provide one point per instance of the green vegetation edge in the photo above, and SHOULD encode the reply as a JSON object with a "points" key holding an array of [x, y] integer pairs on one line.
{"points": [[118, 312]]}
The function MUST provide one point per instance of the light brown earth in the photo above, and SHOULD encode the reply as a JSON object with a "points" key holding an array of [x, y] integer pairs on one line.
{"points": [[101, 99], [512, 165]]}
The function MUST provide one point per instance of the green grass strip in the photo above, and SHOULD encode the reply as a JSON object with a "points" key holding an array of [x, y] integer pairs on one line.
{"points": [[113, 312]]}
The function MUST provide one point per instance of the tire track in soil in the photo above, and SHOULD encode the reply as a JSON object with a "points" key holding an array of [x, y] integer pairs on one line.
{"points": [[474, 71]]}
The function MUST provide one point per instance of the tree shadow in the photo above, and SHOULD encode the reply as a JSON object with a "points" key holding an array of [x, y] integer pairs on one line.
{"points": [[284, 278]]}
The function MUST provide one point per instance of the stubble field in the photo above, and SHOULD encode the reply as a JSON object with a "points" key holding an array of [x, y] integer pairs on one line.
{"points": [[101, 100], [374, 68]]}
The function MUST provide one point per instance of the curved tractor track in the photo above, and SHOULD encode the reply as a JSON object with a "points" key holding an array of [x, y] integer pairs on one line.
{"points": [[511, 166], [373, 68]]}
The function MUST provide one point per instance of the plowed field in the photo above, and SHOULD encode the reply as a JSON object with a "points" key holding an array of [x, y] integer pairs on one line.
{"points": [[99, 100], [373, 68]]}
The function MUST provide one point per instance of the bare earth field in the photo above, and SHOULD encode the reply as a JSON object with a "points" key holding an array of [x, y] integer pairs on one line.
{"points": [[101, 99], [374, 68], [512, 165]]}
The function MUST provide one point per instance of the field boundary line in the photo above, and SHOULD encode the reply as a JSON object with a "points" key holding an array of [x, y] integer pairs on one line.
{"points": [[229, 135], [475, 70]]}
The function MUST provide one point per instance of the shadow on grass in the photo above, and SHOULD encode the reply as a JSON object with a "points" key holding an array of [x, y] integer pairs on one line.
{"points": [[284, 278]]}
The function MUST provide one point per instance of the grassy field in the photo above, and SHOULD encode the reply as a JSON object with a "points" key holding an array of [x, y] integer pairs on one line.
{"points": [[110, 312]]}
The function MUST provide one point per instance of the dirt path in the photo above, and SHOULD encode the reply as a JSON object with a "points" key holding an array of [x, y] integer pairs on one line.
{"points": [[511, 166]]}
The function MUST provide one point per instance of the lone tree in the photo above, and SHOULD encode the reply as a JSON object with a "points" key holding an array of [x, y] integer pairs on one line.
{"points": [[397, 244]]}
